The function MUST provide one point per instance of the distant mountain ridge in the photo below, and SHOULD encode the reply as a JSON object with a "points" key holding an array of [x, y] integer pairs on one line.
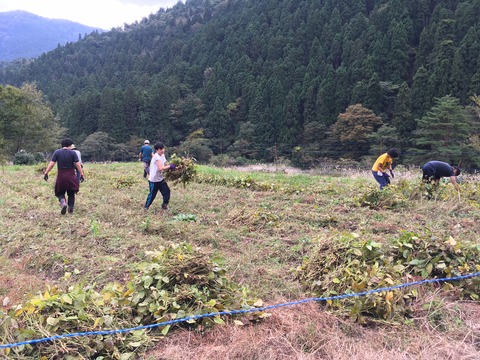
{"points": [[26, 35]]}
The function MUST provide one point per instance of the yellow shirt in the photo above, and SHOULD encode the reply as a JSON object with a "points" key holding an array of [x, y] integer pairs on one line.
{"points": [[383, 163]]}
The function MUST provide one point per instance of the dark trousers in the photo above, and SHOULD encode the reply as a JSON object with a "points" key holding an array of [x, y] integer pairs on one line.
{"points": [[382, 180], [161, 186], [71, 197], [146, 168]]}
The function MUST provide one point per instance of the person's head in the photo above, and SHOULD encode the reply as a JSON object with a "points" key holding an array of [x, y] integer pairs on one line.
{"points": [[393, 153], [73, 147], [456, 170], [159, 146], [66, 142], [146, 142]]}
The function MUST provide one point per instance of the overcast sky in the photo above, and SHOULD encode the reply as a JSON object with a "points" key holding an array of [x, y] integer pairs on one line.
{"points": [[104, 14]]}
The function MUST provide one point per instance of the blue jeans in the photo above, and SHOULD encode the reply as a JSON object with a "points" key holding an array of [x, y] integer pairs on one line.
{"points": [[380, 179]]}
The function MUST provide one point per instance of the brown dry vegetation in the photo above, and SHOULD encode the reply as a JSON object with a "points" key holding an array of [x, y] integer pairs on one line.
{"points": [[262, 235]]}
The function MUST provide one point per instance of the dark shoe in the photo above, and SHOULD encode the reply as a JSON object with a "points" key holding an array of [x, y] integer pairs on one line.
{"points": [[164, 207], [63, 204], [70, 210]]}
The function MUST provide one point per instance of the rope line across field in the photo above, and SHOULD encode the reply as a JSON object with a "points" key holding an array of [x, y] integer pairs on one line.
{"points": [[243, 311]]}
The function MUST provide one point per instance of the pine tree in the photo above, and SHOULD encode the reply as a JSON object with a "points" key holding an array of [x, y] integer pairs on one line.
{"points": [[421, 98], [403, 120], [443, 132]]}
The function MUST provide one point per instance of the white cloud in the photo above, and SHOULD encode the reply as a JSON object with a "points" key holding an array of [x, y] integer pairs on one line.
{"points": [[104, 14]]}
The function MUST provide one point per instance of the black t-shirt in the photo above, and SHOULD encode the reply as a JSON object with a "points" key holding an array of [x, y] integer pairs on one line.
{"points": [[442, 169], [65, 158]]}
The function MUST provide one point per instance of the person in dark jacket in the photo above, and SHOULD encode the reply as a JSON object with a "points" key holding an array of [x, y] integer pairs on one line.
{"points": [[434, 170], [145, 155], [67, 161]]}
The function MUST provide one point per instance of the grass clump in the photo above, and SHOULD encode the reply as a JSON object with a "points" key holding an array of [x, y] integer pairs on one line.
{"points": [[352, 264], [245, 182], [124, 181], [172, 283]]}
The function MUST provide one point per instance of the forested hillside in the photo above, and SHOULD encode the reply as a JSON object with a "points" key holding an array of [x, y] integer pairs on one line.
{"points": [[262, 79]]}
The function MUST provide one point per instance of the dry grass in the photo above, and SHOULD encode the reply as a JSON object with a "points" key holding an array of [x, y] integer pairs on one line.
{"points": [[307, 332], [261, 235]]}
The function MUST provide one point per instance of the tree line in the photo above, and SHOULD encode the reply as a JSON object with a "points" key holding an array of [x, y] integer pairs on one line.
{"points": [[268, 79]]}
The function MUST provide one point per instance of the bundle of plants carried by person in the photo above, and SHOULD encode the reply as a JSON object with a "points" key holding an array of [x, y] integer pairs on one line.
{"points": [[184, 172], [173, 282], [352, 264]]}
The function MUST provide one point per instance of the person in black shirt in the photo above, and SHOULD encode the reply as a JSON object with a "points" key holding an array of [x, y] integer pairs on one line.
{"points": [[435, 170], [67, 161]]}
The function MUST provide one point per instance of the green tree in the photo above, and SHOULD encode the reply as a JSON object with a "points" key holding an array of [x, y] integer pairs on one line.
{"points": [[98, 146], [26, 122], [443, 132], [353, 128], [421, 98], [474, 138], [440, 78], [403, 120], [383, 139], [218, 129], [290, 124], [374, 95], [398, 53]]}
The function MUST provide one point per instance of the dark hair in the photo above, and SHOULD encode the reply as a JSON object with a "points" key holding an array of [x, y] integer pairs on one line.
{"points": [[158, 145], [66, 142], [456, 170], [393, 153]]}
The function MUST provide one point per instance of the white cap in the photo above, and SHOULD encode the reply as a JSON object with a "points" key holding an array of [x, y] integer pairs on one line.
{"points": [[147, 142]]}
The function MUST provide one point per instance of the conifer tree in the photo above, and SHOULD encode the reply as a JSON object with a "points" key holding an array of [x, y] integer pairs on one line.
{"points": [[443, 132], [403, 120]]}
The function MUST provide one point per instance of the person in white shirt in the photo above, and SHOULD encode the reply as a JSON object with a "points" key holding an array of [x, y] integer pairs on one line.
{"points": [[156, 181], [74, 148]]}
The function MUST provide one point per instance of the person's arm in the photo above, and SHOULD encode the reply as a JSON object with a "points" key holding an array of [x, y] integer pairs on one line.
{"points": [[162, 167], [454, 182], [49, 167], [140, 155], [79, 168]]}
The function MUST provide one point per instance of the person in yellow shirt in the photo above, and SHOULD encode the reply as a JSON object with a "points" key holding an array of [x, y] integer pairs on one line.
{"points": [[384, 164]]}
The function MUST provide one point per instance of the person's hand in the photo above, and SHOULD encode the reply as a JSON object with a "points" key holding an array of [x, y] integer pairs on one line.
{"points": [[45, 177], [379, 173], [172, 167], [82, 178], [392, 174]]}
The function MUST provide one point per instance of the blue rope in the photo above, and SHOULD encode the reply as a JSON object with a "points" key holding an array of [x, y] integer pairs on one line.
{"points": [[236, 312]]}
